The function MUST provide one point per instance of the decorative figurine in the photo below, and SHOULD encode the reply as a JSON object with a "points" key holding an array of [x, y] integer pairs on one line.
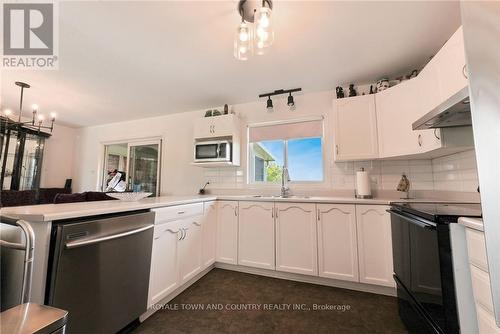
{"points": [[371, 89], [226, 109], [352, 91], [340, 92], [413, 74], [382, 84]]}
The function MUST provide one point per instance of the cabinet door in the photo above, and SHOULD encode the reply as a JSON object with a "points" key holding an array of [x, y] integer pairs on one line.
{"points": [[296, 239], [429, 95], [397, 109], [217, 126], [227, 232], [190, 248], [374, 245], [256, 235], [209, 234], [337, 243], [451, 66], [355, 126], [164, 277]]}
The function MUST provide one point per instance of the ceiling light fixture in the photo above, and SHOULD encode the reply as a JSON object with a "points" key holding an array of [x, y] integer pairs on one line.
{"points": [[269, 104], [37, 119], [255, 30], [290, 100], [290, 103]]}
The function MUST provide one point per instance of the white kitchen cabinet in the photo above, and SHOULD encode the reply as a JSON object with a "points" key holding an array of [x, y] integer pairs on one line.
{"points": [[374, 245], [190, 248], [216, 126], [227, 232], [209, 234], [337, 243], [355, 128], [428, 88], [296, 238], [164, 276], [256, 234], [451, 66], [397, 109]]}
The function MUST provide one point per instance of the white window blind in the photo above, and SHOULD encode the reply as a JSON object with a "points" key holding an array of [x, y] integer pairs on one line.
{"points": [[285, 131]]}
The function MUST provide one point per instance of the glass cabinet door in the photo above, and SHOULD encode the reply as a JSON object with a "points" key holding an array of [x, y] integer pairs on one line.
{"points": [[143, 166]]}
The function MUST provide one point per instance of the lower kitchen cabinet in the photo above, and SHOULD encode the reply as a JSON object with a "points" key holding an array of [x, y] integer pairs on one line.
{"points": [[256, 234], [190, 245], [374, 245], [209, 234], [227, 232], [337, 242], [296, 238], [164, 276]]}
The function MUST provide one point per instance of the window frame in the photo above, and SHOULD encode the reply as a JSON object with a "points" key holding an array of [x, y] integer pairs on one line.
{"points": [[251, 165]]}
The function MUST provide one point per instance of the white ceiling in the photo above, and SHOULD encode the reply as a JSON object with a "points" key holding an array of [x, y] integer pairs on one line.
{"points": [[129, 60]]}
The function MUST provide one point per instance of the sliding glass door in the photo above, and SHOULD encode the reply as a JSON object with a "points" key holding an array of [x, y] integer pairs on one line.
{"points": [[137, 161], [144, 166]]}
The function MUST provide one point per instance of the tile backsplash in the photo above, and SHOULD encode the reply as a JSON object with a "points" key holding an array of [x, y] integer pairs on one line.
{"points": [[456, 172]]}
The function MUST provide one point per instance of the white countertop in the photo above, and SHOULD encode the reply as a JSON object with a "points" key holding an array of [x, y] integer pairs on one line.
{"points": [[50, 212], [474, 223]]}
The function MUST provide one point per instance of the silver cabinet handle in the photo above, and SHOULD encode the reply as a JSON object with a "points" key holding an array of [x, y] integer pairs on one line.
{"points": [[182, 234], [272, 213], [75, 244], [185, 232], [420, 140], [181, 212], [196, 223], [337, 149], [464, 71], [236, 211], [276, 213], [318, 215]]}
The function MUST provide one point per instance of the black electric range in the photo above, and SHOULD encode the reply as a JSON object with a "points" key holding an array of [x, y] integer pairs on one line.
{"points": [[423, 265]]}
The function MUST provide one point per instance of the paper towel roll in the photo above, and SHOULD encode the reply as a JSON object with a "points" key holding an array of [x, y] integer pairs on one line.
{"points": [[363, 185]]}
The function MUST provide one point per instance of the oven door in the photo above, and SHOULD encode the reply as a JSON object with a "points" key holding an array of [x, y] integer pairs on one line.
{"points": [[417, 264]]}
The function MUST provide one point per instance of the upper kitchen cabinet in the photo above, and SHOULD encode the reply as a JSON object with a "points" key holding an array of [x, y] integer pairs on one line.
{"points": [[444, 75], [355, 128], [216, 126]]}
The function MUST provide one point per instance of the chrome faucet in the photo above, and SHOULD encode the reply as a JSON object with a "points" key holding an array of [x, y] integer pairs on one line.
{"points": [[285, 178]]}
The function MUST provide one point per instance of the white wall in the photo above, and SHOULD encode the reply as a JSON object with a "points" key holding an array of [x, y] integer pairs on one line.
{"points": [[179, 177], [58, 157]]}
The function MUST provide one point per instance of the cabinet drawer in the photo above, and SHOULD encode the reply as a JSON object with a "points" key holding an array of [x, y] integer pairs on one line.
{"points": [[477, 249], [482, 288], [486, 321], [177, 212]]}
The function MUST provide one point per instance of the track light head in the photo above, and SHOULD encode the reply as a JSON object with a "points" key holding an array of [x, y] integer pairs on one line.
{"points": [[291, 102], [269, 105]]}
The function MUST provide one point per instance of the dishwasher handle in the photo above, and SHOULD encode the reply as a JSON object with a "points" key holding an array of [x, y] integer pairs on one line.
{"points": [[414, 220], [86, 242]]}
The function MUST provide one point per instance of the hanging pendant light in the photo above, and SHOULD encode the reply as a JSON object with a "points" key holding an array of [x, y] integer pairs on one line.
{"points": [[264, 33], [254, 33], [243, 41]]}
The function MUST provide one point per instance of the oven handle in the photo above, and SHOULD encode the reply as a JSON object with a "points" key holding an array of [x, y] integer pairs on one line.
{"points": [[414, 220]]}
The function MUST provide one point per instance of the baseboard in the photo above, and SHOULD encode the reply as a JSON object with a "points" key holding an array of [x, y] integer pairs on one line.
{"points": [[175, 293], [377, 289]]}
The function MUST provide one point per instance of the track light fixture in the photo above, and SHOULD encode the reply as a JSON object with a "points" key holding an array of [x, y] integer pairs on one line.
{"points": [[290, 101]]}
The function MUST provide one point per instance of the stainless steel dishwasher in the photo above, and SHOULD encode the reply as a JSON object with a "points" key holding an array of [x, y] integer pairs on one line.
{"points": [[99, 270]]}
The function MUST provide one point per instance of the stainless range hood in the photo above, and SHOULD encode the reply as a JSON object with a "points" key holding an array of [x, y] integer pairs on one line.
{"points": [[451, 113]]}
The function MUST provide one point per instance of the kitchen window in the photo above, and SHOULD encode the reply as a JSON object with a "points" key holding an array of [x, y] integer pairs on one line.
{"points": [[297, 145]]}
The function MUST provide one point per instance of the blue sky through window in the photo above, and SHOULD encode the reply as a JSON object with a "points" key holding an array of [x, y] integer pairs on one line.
{"points": [[305, 157]]}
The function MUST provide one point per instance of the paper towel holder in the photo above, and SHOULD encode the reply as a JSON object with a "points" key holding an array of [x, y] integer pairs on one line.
{"points": [[362, 196]]}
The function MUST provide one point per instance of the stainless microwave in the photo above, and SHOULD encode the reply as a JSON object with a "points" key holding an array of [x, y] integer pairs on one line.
{"points": [[213, 151]]}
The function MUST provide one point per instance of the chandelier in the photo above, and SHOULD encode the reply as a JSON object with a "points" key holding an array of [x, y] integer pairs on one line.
{"points": [[37, 120], [255, 32]]}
